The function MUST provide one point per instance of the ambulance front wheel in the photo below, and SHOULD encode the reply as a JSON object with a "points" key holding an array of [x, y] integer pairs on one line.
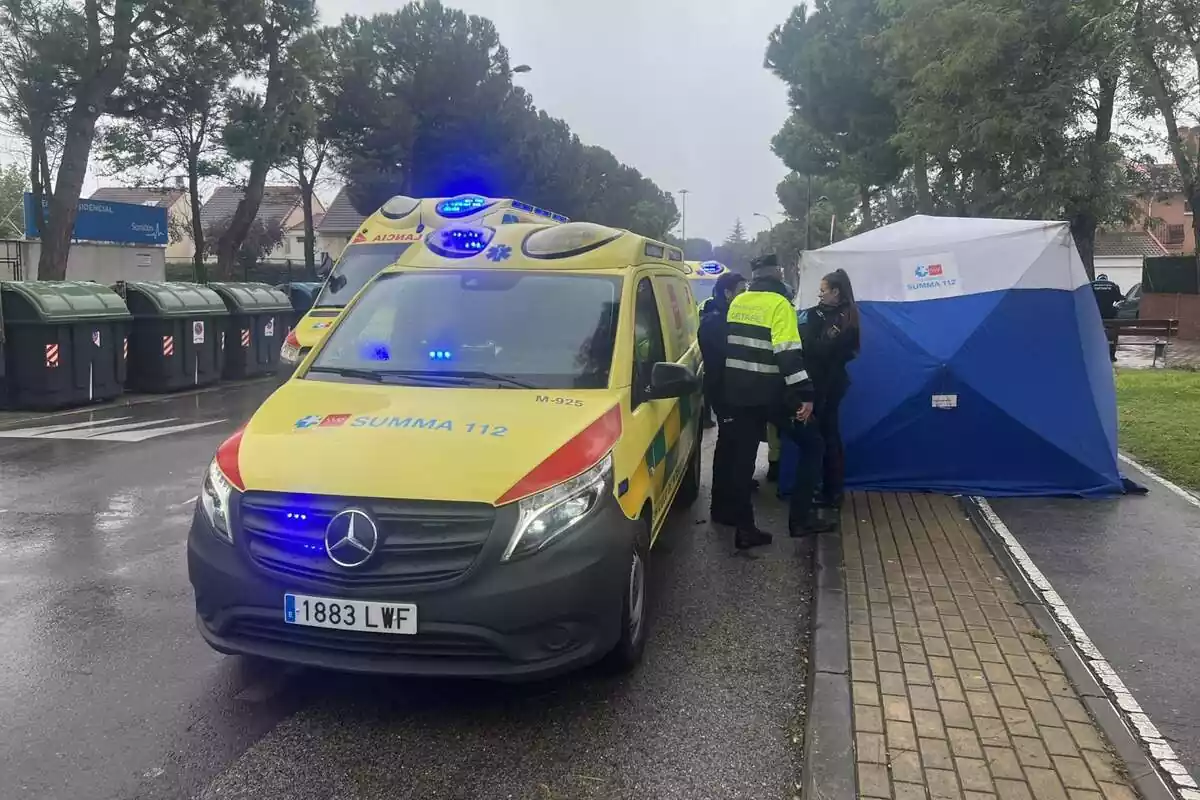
{"points": [[635, 604]]}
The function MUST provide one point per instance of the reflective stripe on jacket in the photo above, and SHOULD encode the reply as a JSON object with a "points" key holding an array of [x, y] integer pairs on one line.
{"points": [[764, 360]]}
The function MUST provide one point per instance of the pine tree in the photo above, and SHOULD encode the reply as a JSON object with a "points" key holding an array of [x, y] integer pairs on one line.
{"points": [[738, 235]]}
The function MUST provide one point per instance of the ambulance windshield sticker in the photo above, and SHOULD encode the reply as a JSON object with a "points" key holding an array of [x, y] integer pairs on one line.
{"points": [[930, 276]]}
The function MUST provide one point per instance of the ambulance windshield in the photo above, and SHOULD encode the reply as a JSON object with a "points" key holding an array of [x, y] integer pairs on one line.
{"points": [[702, 288], [533, 329], [358, 264]]}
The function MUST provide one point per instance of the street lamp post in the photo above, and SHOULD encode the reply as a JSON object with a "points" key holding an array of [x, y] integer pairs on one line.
{"points": [[683, 193], [770, 229]]}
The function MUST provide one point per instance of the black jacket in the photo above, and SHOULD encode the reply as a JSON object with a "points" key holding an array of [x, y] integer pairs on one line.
{"points": [[1108, 294], [712, 337], [830, 343]]}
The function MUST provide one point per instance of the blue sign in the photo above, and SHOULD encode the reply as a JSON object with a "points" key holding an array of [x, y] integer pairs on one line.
{"points": [[105, 221]]}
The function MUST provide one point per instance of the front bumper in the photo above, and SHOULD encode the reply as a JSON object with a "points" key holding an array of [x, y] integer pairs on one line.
{"points": [[557, 610]]}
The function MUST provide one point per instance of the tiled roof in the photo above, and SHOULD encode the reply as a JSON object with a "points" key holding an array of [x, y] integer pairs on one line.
{"points": [[341, 217], [1127, 243], [277, 203], [162, 196]]}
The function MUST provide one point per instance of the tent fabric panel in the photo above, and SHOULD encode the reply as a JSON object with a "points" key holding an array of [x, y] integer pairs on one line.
{"points": [[977, 449], [1029, 256], [1026, 357], [890, 368]]}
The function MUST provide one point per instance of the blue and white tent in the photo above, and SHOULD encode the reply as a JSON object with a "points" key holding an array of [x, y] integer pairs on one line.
{"points": [[984, 367]]}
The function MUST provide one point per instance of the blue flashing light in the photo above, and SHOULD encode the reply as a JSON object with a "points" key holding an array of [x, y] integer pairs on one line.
{"points": [[461, 241], [712, 268], [462, 206], [440, 355], [376, 351], [517, 204]]}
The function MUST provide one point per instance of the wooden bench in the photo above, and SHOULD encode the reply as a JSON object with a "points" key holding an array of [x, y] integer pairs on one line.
{"points": [[1160, 329]]}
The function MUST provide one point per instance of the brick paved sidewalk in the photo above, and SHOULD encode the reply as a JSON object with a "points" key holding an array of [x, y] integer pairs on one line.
{"points": [[956, 693]]}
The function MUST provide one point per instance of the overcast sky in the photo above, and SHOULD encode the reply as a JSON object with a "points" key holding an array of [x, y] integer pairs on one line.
{"points": [[675, 88]]}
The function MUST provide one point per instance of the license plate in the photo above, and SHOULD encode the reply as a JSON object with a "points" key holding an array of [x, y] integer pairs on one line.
{"points": [[349, 615]]}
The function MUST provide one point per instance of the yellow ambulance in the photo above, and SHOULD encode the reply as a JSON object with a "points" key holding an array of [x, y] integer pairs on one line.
{"points": [[703, 277], [380, 240], [466, 475]]}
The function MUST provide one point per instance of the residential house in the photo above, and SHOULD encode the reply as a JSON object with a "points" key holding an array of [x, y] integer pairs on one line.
{"points": [[281, 205], [1119, 255], [338, 225], [1162, 207], [179, 213]]}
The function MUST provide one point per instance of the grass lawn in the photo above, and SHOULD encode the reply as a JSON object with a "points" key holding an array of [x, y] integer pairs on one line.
{"points": [[1159, 414]]}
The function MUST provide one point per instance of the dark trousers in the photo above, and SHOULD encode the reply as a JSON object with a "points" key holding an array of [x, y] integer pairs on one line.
{"points": [[833, 467], [810, 447], [723, 499], [740, 431]]}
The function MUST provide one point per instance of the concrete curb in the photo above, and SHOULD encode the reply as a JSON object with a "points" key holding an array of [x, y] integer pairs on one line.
{"points": [[129, 401], [1142, 772], [828, 731]]}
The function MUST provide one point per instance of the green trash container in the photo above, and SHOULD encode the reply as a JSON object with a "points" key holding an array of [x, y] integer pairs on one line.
{"points": [[176, 340], [257, 325], [64, 344]]}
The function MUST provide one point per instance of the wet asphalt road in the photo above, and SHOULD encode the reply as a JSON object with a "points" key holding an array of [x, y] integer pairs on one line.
{"points": [[1129, 569], [107, 691]]}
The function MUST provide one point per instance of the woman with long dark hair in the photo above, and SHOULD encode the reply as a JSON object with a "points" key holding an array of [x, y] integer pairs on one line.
{"points": [[830, 332]]}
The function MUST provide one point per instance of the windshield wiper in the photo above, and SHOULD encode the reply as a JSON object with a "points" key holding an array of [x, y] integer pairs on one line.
{"points": [[351, 372], [491, 376], [457, 377]]}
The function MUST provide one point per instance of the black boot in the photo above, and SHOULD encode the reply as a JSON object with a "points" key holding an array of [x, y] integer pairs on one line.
{"points": [[814, 525], [772, 471], [821, 501], [745, 538]]}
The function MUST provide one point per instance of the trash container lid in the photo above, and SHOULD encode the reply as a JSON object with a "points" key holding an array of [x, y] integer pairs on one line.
{"points": [[60, 301], [178, 299], [251, 298]]}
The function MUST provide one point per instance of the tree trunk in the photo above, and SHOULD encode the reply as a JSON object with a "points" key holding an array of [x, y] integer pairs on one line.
{"points": [[864, 199], [1083, 231], [921, 176], [197, 223], [310, 241], [64, 202], [89, 99], [235, 234]]}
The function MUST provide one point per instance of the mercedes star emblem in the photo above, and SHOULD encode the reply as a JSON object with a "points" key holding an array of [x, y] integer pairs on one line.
{"points": [[351, 538]]}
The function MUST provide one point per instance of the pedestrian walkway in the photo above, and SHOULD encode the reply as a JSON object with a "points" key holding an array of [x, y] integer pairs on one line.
{"points": [[956, 692]]}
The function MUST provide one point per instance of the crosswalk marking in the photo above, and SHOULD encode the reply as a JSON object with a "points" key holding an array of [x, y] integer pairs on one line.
{"points": [[115, 429]]}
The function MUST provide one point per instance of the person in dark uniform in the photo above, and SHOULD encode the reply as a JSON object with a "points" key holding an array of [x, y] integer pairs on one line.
{"points": [[1108, 294], [765, 382], [830, 331], [712, 338]]}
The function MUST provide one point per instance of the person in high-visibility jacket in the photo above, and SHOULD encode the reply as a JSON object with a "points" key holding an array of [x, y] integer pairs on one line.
{"points": [[766, 382]]}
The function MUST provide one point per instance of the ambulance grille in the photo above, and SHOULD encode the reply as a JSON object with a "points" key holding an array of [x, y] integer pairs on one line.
{"points": [[420, 542]]}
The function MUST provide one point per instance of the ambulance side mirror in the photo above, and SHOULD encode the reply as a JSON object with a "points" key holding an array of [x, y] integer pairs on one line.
{"points": [[669, 381]]}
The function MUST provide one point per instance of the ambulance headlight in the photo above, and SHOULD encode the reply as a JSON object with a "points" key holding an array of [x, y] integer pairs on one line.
{"points": [[214, 500], [546, 516]]}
